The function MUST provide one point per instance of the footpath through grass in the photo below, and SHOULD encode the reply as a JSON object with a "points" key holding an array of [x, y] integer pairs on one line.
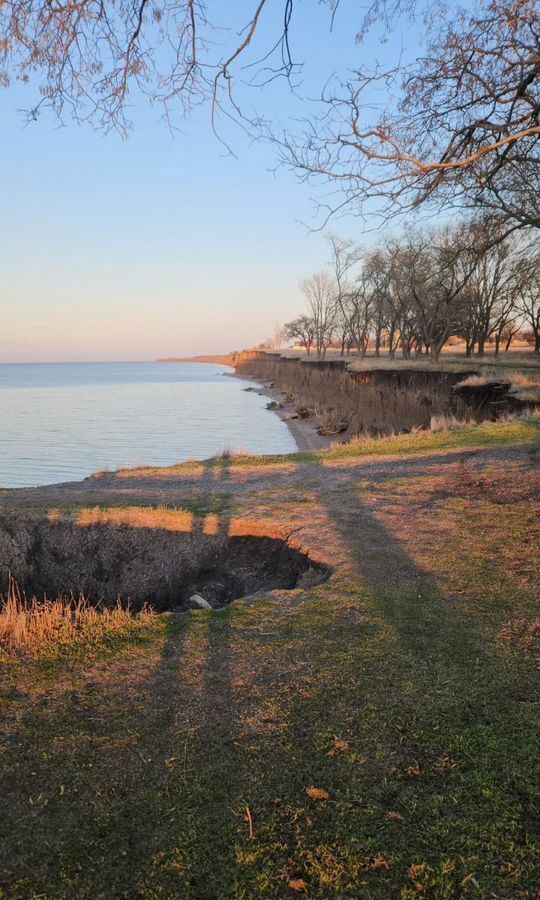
{"points": [[376, 736]]}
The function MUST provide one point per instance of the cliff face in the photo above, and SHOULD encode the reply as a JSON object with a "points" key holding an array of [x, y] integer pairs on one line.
{"points": [[376, 401]]}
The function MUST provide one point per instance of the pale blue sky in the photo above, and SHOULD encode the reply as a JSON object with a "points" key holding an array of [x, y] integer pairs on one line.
{"points": [[131, 249]]}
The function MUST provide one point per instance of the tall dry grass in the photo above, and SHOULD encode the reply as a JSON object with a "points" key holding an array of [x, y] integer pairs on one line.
{"points": [[473, 381], [445, 423], [439, 424], [29, 626]]}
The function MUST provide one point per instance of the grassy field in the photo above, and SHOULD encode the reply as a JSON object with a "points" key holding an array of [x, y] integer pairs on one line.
{"points": [[375, 736], [521, 361], [519, 358]]}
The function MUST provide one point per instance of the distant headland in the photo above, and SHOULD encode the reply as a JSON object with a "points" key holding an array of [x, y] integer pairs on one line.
{"points": [[227, 359]]}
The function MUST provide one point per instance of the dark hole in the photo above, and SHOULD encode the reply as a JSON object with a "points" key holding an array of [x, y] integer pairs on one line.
{"points": [[147, 565]]}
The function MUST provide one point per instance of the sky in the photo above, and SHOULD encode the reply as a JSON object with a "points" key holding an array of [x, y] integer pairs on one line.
{"points": [[130, 249]]}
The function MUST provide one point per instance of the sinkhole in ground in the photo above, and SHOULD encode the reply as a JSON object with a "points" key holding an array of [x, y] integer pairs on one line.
{"points": [[141, 565]]}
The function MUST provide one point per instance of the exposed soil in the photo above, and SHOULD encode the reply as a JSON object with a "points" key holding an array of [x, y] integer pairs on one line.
{"points": [[374, 401], [146, 565]]}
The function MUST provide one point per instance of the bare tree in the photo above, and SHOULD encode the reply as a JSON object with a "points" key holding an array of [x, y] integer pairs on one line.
{"points": [[302, 330], [419, 290], [464, 131], [528, 293], [343, 333], [488, 267], [90, 57], [320, 293], [507, 326], [361, 305], [344, 257], [377, 274], [434, 277], [278, 336]]}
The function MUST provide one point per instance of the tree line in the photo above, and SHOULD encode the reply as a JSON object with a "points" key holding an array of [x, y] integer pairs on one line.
{"points": [[416, 292]]}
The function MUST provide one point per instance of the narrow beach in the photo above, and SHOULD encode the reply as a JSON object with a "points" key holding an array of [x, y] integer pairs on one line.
{"points": [[302, 430]]}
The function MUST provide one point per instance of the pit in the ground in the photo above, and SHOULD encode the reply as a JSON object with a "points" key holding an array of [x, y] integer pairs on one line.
{"points": [[147, 565]]}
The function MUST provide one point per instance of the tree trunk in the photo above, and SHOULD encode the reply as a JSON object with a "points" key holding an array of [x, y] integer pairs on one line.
{"points": [[497, 344], [378, 343], [480, 346], [391, 348]]}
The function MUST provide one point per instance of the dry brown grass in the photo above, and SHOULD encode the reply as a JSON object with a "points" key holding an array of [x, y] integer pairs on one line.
{"points": [[289, 394], [531, 397], [135, 517], [522, 634], [442, 423], [473, 381], [28, 626], [521, 380], [530, 412], [438, 425]]}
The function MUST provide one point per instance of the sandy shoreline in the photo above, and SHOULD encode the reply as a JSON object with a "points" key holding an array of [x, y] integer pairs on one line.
{"points": [[302, 430]]}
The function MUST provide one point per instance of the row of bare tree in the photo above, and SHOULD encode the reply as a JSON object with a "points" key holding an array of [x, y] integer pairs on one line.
{"points": [[418, 291]]}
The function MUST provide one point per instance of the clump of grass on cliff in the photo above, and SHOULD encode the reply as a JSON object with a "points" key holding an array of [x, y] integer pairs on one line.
{"points": [[29, 627]]}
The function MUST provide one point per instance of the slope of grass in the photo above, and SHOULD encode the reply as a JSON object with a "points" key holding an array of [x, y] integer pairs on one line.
{"points": [[485, 434]]}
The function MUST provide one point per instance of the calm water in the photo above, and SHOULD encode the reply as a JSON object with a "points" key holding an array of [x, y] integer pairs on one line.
{"points": [[64, 421]]}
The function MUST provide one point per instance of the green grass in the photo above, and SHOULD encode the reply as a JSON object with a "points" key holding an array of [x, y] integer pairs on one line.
{"points": [[485, 434]]}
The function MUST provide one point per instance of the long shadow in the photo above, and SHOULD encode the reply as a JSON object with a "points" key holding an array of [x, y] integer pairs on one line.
{"points": [[211, 840], [100, 762], [144, 792], [215, 486], [425, 621], [193, 856]]}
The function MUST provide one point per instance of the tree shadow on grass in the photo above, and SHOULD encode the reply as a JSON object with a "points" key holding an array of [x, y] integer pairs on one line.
{"points": [[431, 712], [426, 622]]}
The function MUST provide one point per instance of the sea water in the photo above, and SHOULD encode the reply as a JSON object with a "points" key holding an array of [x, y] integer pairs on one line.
{"points": [[65, 421]]}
